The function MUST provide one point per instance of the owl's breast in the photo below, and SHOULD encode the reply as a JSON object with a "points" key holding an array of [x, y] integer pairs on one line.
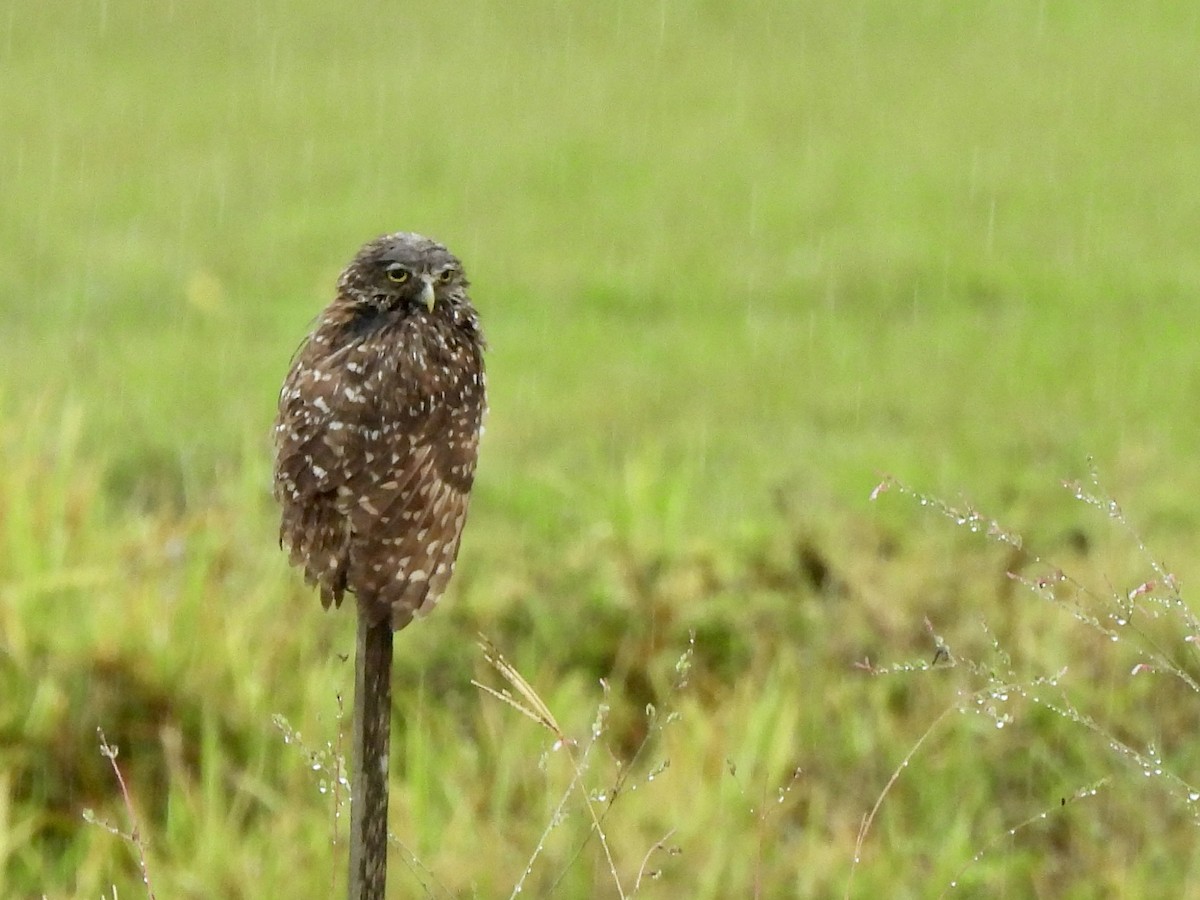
{"points": [[435, 366]]}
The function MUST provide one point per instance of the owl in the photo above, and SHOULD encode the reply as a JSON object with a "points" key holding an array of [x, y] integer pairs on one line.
{"points": [[378, 430]]}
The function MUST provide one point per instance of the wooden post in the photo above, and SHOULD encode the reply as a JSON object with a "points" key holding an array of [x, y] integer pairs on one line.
{"points": [[369, 760]]}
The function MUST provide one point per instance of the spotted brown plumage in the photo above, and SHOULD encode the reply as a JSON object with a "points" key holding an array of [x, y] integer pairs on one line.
{"points": [[378, 431]]}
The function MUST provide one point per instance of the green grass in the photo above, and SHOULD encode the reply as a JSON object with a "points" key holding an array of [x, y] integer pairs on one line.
{"points": [[734, 262]]}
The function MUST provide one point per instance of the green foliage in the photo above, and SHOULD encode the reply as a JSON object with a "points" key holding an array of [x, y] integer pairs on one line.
{"points": [[734, 261]]}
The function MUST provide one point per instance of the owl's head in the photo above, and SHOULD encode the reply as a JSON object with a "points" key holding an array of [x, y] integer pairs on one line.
{"points": [[403, 272]]}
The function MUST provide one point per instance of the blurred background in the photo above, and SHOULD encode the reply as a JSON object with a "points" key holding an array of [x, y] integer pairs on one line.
{"points": [[736, 264]]}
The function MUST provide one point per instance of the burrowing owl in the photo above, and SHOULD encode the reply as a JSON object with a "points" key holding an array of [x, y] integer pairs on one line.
{"points": [[378, 431]]}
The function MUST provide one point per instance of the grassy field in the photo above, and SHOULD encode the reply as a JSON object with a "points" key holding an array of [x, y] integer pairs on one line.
{"points": [[736, 263]]}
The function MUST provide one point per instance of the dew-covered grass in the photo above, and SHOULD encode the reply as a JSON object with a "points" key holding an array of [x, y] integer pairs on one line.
{"points": [[736, 262]]}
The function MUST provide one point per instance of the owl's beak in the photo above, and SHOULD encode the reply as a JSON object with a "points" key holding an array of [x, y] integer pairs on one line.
{"points": [[427, 298]]}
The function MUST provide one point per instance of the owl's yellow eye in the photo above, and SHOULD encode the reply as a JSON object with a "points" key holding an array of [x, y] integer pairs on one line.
{"points": [[445, 275], [397, 273]]}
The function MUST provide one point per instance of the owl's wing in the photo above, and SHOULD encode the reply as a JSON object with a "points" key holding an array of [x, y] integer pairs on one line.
{"points": [[319, 450], [405, 532]]}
